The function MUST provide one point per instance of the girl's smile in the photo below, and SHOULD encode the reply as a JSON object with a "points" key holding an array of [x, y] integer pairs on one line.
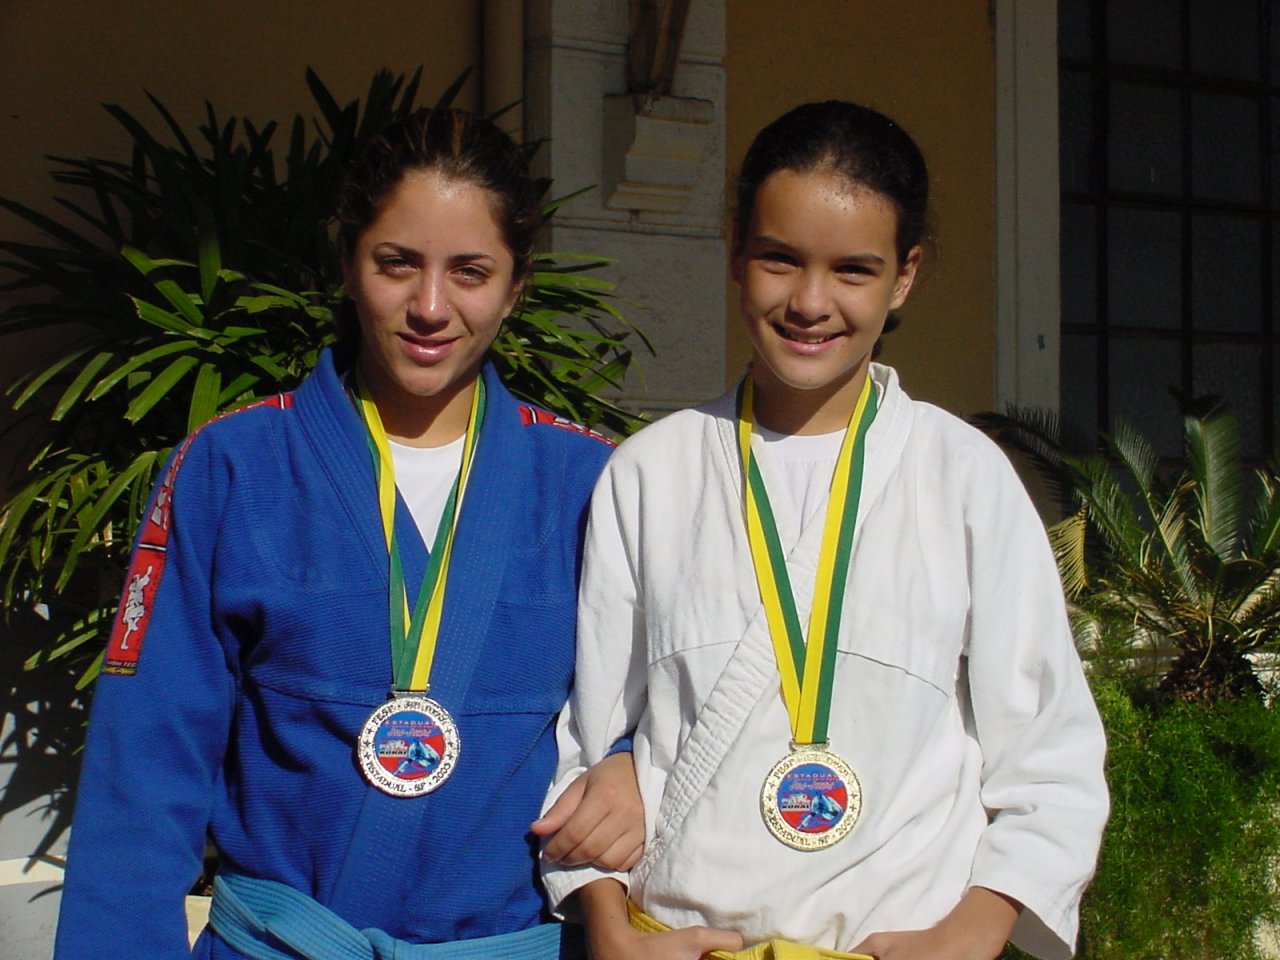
{"points": [[818, 273]]}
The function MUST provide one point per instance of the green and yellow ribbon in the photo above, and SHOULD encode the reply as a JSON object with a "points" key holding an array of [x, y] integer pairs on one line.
{"points": [[413, 636], [807, 667]]}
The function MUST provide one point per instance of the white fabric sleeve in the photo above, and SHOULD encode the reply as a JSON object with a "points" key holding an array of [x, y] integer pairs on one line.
{"points": [[1033, 716], [609, 691]]}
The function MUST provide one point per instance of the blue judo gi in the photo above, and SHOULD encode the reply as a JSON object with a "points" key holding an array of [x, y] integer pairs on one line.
{"points": [[253, 642]]}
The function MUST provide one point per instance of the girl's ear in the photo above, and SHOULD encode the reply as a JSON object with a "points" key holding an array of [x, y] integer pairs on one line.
{"points": [[906, 277]]}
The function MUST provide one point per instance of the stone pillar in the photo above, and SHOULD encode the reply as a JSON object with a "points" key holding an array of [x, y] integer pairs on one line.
{"points": [[1027, 205], [656, 166]]}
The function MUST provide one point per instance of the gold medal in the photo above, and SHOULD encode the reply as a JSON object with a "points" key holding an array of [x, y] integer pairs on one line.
{"points": [[811, 798]]}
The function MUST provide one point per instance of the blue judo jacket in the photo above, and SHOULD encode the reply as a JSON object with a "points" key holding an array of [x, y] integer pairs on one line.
{"points": [[252, 643]]}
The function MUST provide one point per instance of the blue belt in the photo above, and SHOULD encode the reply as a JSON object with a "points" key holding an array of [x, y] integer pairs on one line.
{"points": [[266, 920]]}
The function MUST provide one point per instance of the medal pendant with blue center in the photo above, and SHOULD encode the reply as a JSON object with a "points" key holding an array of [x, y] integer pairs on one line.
{"points": [[408, 746], [811, 799]]}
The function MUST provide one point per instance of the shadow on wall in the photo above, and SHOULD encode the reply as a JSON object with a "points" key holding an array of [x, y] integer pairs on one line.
{"points": [[42, 719]]}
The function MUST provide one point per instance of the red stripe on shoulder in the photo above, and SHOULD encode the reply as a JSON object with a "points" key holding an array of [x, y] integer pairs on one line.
{"points": [[535, 417], [149, 556]]}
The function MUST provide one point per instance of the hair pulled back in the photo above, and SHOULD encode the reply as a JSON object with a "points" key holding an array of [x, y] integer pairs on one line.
{"points": [[458, 145], [864, 146]]}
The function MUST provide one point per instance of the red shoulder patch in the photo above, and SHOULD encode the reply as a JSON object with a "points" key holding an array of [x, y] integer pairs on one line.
{"points": [[533, 416], [149, 556]]}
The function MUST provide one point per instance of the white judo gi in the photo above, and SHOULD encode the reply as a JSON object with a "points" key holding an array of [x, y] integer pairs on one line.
{"points": [[959, 699]]}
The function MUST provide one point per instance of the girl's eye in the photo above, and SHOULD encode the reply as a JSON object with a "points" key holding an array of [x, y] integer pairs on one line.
{"points": [[394, 265], [776, 261], [470, 273]]}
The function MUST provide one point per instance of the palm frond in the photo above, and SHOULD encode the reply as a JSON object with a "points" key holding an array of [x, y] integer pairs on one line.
{"points": [[1166, 564], [1213, 453], [1067, 538], [1137, 456], [1264, 529], [1111, 511]]}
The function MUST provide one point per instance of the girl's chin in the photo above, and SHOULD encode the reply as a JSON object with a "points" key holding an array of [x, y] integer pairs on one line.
{"points": [[808, 378]]}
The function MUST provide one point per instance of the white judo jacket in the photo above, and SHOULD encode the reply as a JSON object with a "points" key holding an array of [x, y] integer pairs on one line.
{"points": [[959, 699]]}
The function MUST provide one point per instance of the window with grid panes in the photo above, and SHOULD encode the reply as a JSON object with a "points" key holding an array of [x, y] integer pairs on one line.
{"points": [[1170, 275]]}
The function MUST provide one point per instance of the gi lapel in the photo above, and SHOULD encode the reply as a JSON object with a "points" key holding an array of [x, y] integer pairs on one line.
{"points": [[339, 442], [480, 553], [476, 572], [749, 674]]}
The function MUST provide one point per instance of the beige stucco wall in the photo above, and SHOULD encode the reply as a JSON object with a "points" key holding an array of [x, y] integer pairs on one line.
{"points": [[930, 66], [245, 56]]}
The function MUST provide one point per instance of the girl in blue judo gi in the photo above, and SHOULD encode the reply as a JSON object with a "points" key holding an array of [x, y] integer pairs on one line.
{"points": [[348, 625]]}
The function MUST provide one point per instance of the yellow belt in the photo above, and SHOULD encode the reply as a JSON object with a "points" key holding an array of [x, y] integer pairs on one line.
{"points": [[769, 950]]}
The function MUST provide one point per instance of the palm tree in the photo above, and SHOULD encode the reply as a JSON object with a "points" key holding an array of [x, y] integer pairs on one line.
{"points": [[1185, 565]]}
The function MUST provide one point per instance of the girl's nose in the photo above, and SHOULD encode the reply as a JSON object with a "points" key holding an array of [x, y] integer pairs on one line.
{"points": [[810, 300], [431, 299]]}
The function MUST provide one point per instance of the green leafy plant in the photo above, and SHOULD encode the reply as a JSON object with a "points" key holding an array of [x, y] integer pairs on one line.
{"points": [[199, 275], [1179, 570], [1188, 860], [1187, 864]]}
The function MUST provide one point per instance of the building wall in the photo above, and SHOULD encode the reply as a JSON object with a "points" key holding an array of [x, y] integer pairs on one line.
{"points": [[245, 56], [931, 66], [670, 262]]}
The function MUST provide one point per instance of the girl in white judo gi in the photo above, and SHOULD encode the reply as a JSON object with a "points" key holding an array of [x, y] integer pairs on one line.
{"points": [[831, 617]]}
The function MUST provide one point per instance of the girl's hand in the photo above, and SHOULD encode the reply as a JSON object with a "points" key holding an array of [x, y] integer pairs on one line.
{"points": [[687, 943], [976, 929], [599, 819], [604, 910]]}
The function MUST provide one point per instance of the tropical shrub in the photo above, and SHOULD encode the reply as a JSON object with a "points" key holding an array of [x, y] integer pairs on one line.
{"points": [[1187, 867], [1188, 861], [1174, 571], [1171, 573]]}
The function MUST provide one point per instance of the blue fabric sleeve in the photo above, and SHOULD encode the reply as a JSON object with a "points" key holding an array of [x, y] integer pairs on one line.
{"points": [[622, 745], [154, 751]]}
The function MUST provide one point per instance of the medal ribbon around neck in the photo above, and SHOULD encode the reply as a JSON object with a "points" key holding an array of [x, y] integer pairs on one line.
{"points": [[807, 669], [413, 637]]}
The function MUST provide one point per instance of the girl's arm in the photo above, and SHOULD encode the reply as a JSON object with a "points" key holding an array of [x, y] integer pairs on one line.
{"points": [[976, 929], [609, 698], [1032, 716], [603, 905], [157, 737], [598, 820]]}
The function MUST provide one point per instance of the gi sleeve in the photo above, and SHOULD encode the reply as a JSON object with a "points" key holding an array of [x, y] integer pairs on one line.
{"points": [[610, 685], [1033, 715], [157, 735]]}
